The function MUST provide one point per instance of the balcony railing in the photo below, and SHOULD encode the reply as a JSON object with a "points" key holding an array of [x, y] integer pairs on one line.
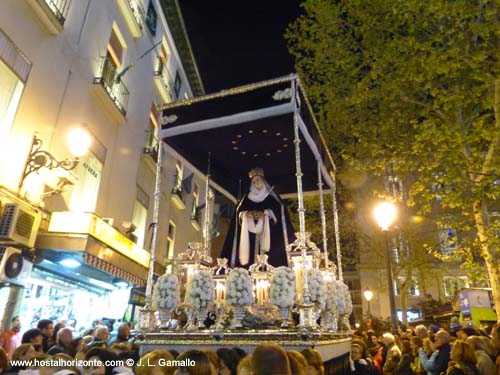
{"points": [[116, 89], [59, 8], [162, 75], [151, 145], [134, 15], [138, 12]]}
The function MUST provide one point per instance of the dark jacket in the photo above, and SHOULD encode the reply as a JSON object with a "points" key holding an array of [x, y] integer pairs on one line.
{"points": [[465, 368]]}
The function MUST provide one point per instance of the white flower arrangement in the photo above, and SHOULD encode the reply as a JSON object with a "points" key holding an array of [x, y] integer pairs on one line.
{"points": [[316, 287], [166, 292], [239, 288], [282, 293], [201, 290], [344, 305], [332, 296]]}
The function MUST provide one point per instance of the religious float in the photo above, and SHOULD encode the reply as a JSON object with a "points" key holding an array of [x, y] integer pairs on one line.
{"points": [[300, 304]]}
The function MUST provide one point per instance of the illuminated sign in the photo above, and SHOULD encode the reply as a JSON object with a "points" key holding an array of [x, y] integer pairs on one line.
{"points": [[89, 223]]}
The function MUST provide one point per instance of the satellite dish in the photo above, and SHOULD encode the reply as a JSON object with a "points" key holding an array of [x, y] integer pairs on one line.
{"points": [[14, 265]]}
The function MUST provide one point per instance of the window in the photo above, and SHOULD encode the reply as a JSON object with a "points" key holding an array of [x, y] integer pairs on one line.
{"points": [[177, 85], [196, 201], [451, 284], [164, 53], [447, 241], [10, 95], [178, 177], [151, 141], [169, 254], [139, 216], [151, 18], [412, 288], [84, 195]]}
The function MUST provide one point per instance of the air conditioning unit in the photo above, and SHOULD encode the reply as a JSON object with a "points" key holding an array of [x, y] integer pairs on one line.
{"points": [[19, 225], [13, 267]]}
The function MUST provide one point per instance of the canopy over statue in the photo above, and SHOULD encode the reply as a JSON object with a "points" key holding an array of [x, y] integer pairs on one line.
{"points": [[246, 127]]}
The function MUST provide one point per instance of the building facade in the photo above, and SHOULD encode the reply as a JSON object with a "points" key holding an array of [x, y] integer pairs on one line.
{"points": [[101, 66]]}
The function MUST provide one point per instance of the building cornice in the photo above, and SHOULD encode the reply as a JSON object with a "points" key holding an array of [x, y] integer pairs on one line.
{"points": [[173, 13]]}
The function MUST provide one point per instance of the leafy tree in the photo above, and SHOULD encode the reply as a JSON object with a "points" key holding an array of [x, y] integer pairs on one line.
{"points": [[415, 86]]}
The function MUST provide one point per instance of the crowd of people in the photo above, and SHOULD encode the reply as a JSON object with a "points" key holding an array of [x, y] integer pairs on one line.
{"points": [[425, 350], [54, 348]]}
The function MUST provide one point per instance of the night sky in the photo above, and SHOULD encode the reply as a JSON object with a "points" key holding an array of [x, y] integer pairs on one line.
{"points": [[236, 43]]}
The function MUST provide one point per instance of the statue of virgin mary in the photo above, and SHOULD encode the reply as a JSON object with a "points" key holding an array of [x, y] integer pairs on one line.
{"points": [[261, 225]]}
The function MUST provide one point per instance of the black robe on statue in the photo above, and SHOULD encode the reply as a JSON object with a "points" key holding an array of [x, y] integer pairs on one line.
{"points": [[278, 230]]}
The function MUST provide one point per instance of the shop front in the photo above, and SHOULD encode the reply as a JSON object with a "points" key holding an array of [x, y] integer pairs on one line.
{"points": [[84, 270]]}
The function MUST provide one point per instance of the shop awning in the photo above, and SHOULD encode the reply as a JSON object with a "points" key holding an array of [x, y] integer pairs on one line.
{"points": [[246, 127], [93, 242]]}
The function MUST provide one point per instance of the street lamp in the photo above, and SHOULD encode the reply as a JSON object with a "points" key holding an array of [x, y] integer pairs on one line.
{"points": [[385, 213], [78, 142], [368, 296]]}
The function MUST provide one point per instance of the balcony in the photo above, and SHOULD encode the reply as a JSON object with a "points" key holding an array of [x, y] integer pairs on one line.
{"points": [[150, 152], [163, 81], [133, 12], [52, 13], [111, 90]]}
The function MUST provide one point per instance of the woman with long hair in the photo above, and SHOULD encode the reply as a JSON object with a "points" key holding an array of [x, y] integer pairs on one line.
{"points": [[462, 360]]}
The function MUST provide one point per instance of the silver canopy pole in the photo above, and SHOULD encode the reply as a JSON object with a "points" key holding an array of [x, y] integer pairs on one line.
{"points": [[206, 226], [336, 226], [306, 298], [148, 320], [323, 218]]}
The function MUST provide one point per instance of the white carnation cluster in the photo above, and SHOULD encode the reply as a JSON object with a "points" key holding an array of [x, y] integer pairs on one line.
{"points": [[282, 293], [332, 296], [166, 292], [344, 304], [316, 287], [239, 288], [201, 290]]}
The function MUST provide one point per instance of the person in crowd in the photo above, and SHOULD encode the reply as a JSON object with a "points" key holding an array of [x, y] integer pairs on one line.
{"points": [[34, 337], [314, 361], [125, 357], [63, 365], [495, 341], [464, 332], [421, 331], [393, 354], [213, 358], [403, 330], [101, 338], [200, 360], [245, 366], [229, 360], [455, 326], [46, 326], [438, 362], [359, 363], [25, 352], [64, 342], [407, 359], [98, 362], [11, 339], [270, 359], [57, 327], [240, 352], [122, 335], [485, 364], [376, 356], [261, 225], [4, 360], [462, 360], [149, 363], [416, 343], [298, 364]]}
